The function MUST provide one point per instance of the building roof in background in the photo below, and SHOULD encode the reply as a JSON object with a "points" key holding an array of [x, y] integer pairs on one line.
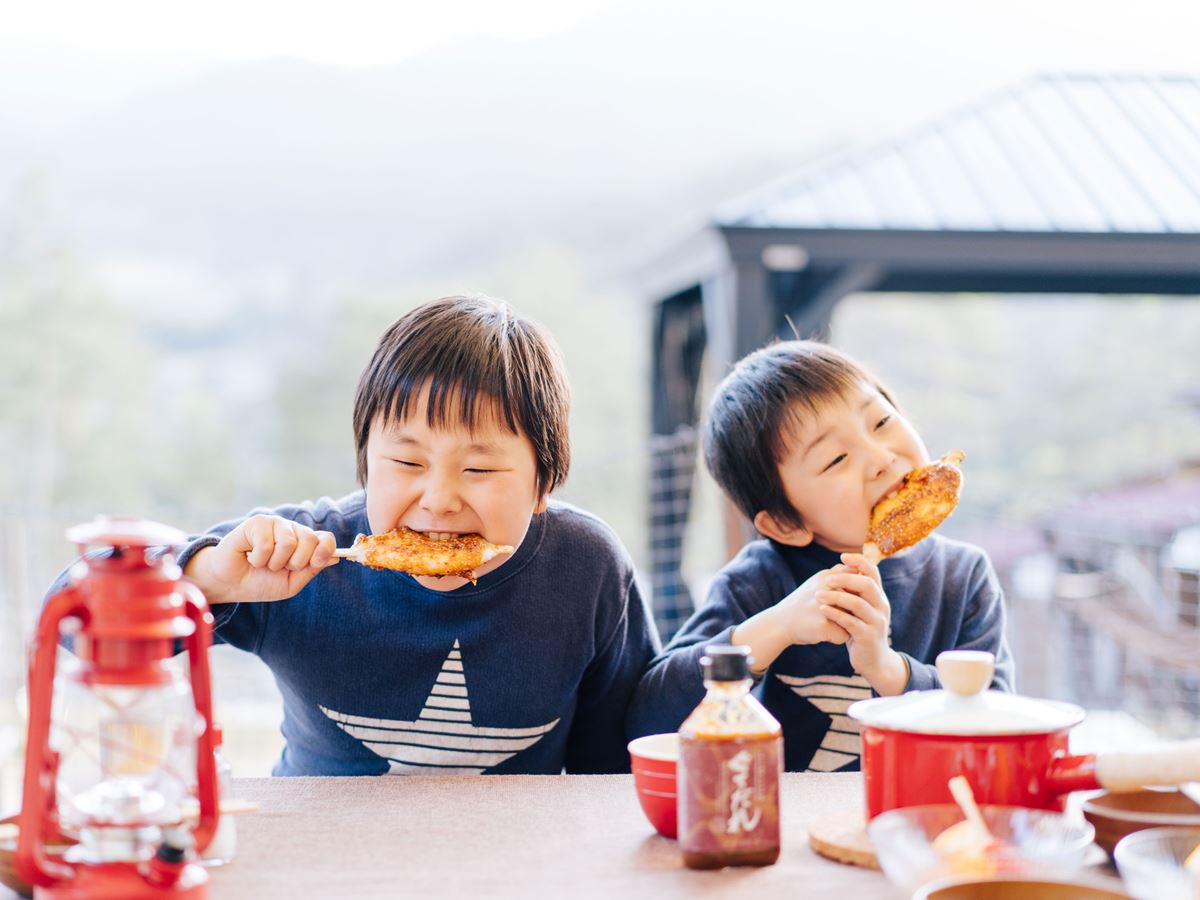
{"points": [[1145, 512], [1056, 154]]}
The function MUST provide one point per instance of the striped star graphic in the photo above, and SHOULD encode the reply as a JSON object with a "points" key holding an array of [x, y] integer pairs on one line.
{"points": [[832, 695], [442, 740]]}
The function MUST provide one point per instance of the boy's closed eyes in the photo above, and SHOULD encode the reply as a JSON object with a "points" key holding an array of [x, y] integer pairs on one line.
{"points": [[841, 456]]}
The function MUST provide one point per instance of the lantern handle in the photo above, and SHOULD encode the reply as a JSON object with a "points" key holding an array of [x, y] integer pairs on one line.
{"points": [[41, 763], [198, 643]]}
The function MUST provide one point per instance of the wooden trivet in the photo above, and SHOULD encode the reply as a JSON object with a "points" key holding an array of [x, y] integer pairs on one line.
{"points": [[843, 838]]}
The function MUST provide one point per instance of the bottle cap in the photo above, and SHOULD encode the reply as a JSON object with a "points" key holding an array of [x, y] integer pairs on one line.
{"points": [[726, 662]]}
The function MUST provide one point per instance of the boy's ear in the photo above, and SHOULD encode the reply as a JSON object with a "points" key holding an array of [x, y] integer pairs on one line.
{"points": [[792, 535]]}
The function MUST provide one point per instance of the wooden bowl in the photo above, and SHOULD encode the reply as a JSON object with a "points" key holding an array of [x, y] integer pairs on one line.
{"points": [[1017, 889], [1116, 815], [8, 863]]}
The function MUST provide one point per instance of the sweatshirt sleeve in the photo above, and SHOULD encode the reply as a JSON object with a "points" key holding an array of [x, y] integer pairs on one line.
{"points": [[597, 741], [982, 628], [674, 683], [238, 624]]}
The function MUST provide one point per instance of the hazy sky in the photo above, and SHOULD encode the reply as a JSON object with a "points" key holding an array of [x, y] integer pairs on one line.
{"points": [[349, 32], [1155, 33]]}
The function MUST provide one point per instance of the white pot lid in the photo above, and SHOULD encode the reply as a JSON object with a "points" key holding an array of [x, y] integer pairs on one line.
{"points": [[964, 707]]}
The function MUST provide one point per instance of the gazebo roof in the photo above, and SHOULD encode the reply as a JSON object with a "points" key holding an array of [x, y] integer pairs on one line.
{"points": [[1078, 184], [1056, 154]]}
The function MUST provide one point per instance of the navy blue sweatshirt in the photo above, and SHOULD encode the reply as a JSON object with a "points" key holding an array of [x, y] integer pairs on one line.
{"points": [[944, 595], [529, 672]]}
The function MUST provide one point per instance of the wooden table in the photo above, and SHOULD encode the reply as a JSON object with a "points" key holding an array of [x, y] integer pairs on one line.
{"points": [[570, 836], [567, 836]]}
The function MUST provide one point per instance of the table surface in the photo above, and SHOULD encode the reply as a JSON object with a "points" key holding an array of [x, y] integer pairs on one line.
{"points": [[509, 836]]}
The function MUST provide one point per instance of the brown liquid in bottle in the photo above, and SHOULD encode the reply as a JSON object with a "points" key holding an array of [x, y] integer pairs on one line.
{"points": [[730, 759]]}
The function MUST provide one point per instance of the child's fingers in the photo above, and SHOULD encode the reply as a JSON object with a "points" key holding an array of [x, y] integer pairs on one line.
{"points": [[849, 581], [323, 554], [313, 549], [306, 544], [862, 585], [859, 563], [855, 628], [256, 538], [853, 604], [286, 541], [833, 633]]}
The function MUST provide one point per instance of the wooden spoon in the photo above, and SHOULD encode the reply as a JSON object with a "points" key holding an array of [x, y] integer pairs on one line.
{"points": [[971, 835]]}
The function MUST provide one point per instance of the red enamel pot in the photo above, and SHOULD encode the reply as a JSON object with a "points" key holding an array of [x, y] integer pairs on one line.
{"points": [[1012, 749]]}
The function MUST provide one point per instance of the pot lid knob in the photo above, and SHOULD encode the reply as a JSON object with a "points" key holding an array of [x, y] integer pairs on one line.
{"points": [[966, 672]]}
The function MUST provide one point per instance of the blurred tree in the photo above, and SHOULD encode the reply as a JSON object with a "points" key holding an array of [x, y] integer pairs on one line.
{"points": [[314, 397], [89, 418], [74, 373]]}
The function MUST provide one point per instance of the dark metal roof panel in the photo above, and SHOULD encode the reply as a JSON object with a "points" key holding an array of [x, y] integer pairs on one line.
{"points": [[1060, 153]]}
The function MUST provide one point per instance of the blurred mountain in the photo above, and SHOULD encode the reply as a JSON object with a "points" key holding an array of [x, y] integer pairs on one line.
{"points": [[608, 137], [636, 120]]}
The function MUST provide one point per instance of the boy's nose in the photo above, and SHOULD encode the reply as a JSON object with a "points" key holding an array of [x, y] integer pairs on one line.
{"points": [[881, 460], [440, 496]]}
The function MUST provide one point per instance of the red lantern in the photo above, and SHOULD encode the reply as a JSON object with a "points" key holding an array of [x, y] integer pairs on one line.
{"points": [[119, 737]]}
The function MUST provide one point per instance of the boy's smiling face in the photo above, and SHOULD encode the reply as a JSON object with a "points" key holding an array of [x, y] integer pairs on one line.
{"points": [[454, 479], [838, 465]]}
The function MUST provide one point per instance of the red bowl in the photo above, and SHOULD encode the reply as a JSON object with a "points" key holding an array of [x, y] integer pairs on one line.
{"points": [[653, 759]]}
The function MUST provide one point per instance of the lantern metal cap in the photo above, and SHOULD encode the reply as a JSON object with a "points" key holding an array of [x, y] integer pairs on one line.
{"points": [[125, 531]]}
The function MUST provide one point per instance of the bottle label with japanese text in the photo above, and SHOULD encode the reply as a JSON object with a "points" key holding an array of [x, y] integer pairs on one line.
{"points": [[728, 794]]}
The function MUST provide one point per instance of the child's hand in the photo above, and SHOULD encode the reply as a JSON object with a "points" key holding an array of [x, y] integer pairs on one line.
{"points": [[796, 619], [264, 558], [852, 598], [801, 615]]}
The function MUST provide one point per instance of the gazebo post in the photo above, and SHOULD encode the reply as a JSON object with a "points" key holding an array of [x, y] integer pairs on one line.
{"points": [[678, 351]]}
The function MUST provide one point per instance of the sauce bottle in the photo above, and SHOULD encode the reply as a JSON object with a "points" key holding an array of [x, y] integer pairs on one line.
{"points": [[730, 759]]}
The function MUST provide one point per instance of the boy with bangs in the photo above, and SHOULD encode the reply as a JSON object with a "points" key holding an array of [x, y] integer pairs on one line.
{"points": [[460, 426], [805, 441]]}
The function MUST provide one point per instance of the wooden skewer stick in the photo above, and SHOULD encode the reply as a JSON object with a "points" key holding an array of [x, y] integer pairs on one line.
{"points": [[10, 831], [191, 808]]}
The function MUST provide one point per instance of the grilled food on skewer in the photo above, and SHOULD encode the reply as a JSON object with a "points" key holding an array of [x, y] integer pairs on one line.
{"points": [[927, 496], [405, 550]]}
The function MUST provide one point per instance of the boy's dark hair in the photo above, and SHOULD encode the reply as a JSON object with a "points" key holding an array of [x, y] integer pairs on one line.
{"points": [[757, 407], [479, 358]]}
